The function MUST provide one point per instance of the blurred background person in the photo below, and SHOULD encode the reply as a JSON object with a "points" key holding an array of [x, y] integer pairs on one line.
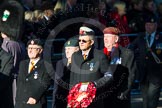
{"points": [[135, 16], [119, 19]]}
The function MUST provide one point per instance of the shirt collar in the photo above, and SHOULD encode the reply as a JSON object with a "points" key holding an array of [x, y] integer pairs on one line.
{"points": [[152, 34], [86, 52], [35, 61]]}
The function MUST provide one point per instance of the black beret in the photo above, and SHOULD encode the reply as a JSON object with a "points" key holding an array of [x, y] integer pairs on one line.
{"points": [[151, 19], [35, 42]]}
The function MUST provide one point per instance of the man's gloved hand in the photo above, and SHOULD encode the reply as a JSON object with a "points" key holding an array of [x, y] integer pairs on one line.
{"points": [[124, 95]]}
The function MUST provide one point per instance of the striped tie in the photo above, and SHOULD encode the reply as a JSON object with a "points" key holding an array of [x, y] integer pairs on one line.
{"points": [[84, 56], [31, 67]]}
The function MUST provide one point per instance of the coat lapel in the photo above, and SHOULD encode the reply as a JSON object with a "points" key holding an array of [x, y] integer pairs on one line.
{"points": [[26, 67]]}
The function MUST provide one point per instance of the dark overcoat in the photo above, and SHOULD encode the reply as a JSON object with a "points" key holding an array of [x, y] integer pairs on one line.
{"points": [[33, 84], [147, 65], [123, 78], [88, 70], [61, 84]]}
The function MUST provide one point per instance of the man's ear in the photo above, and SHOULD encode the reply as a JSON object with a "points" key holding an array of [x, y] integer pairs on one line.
{"points": [[117, 38], [92, 42], [41, 50]]}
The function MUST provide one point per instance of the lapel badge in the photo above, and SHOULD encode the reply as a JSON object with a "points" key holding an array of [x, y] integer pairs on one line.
{"points": [[91, 66], [35, 75], [35, 67]]}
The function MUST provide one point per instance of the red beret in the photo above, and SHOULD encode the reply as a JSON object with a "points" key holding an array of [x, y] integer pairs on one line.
{"points": [[111, 30]]}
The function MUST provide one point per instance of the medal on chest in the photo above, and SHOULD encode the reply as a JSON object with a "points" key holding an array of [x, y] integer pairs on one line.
{"points": [[91, 66], [35, 75], [116, 60], [158, 48]]}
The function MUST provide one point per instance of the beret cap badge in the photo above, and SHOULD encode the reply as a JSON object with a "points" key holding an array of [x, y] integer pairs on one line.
{"points": [[85, 31], [32, 42], [81, 32], [152, 20], [68, 43]]}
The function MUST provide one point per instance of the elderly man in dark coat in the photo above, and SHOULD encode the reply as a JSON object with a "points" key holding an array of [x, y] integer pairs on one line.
{"points": [[34, 78], [88, 64], [62, 75], [124, 67]]}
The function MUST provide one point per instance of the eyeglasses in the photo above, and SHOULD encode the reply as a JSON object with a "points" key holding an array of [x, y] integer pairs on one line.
{"points": [[84, 41], [30, 48]]}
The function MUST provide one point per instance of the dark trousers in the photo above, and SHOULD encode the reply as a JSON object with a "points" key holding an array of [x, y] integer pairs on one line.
{"points": [[114, 102], [150, 94]]}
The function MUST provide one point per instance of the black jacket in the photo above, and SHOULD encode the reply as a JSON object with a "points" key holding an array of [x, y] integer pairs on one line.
{"points": [[123, 75], [89, 70], [6, 66], [61, 84], [33, 84], [147, 65]]}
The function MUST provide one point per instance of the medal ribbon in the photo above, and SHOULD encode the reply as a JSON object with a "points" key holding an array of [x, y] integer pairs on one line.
{"points": [[157, 60]]}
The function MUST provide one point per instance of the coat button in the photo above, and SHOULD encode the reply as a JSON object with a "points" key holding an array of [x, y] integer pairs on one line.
{"points": [[27, 79]]}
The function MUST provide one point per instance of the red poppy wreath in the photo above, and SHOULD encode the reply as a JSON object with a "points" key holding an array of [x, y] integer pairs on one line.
{"points": [[81, 99]]}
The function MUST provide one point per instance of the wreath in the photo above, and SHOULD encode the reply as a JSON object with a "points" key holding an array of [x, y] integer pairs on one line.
{"points": [[81, 99]]}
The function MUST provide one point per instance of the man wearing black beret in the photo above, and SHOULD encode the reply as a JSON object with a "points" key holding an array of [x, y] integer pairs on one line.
{"points": [[34, 78], [149, 45]]}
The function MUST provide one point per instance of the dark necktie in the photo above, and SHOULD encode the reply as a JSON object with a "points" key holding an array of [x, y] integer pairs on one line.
{"points": [[149, 39]]}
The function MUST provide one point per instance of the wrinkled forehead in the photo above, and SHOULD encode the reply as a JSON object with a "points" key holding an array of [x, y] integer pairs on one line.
{"points": [[110, 35], [86, 37], [71, 47], [34, 46]]}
